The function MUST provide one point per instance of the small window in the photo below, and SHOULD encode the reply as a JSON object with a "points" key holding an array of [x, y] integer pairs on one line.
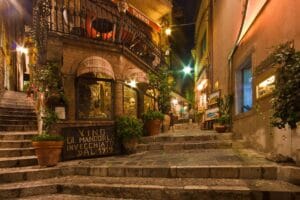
{"points": [[244, 87]]}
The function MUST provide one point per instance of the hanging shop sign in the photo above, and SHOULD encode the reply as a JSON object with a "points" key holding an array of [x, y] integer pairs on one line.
{"points": [[86, 142]]}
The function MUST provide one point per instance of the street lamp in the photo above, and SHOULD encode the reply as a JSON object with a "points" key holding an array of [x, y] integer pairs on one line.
{"points": [[187, 70]]}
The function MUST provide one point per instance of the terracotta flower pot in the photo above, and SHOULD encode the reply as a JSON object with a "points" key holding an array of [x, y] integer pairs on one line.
{"points": [[48, 152], [153, 127], [130, 145], [220, 128]]}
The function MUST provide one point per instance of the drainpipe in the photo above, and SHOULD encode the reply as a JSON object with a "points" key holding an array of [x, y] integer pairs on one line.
{"points": [[231, 54]]}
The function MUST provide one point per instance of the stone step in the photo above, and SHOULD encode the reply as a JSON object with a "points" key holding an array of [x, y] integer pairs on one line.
{"points": [[170, 147], [15, 143], [17, 111], [25, 116], [18, 161], [186, 137], [18, 127], [18, 122], [12, 175], [69, 197], [154, 188], [16, 152], [20, 174], [17, 135], [216, 171], [16, 105]]}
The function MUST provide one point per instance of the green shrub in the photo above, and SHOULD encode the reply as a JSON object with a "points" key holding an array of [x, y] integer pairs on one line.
{"points": [[224, 119], [152, 115], [47, 137], [129, 127]]}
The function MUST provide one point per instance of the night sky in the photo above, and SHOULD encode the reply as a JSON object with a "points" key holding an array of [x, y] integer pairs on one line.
{"points": [[182, 41], [183, 36]]}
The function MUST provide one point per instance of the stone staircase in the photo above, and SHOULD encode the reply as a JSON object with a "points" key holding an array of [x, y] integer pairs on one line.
{"points": [[18, 123], [186, 140], [197, 173], [17, 112]]}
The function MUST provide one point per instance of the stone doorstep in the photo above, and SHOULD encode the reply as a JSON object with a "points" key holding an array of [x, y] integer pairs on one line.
{"points": [[16, 152], [153, 188], [18, 161]]}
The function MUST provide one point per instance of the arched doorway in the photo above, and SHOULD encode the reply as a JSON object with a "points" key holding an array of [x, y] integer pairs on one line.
{"points": [[95, 78]]}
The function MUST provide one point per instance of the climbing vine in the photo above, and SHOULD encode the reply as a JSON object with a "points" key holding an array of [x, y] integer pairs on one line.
{"points": [[286, 100]]}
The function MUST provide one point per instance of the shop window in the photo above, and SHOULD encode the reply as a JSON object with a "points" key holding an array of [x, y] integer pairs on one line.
{"points": [[94, 98], [244, 87], [265, 87], [130, 101]]}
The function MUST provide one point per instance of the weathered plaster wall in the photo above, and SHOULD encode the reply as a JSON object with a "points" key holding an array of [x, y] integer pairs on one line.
{"points": [[277, 24], [227, 17]]}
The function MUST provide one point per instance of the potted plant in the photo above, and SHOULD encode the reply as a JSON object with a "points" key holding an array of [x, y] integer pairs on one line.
{"points": [[47, 146], [222, 123], [129, 130], [224, 120], [152, 120]]}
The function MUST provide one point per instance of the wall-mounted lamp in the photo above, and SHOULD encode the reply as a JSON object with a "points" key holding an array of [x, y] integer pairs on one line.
{"points": [[22, 49], [132, 83]]}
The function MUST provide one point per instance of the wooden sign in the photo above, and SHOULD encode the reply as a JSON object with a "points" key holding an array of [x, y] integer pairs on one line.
{"points": [[86, 142]]}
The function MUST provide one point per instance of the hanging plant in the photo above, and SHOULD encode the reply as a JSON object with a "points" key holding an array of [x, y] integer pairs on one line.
{"points": [[286, 100]]}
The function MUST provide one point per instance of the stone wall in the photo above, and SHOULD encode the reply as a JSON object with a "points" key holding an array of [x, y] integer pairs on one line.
{"points": [[71, 53]]}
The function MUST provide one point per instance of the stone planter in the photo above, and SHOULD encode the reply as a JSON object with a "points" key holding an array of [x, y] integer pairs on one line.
{"points": [[153, 127], [48, 152]]}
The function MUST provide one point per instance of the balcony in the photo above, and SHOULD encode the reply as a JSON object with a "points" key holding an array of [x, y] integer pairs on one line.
{"points": [[101, 21]]}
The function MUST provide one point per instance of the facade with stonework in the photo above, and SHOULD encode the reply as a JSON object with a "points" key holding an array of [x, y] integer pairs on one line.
{"points": [[242, 35]]}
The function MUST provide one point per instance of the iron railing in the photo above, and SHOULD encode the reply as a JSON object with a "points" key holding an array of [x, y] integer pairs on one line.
{"points": [[100, 20]]}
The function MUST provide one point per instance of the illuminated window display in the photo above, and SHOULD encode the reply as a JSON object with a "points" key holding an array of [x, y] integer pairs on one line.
{"points": [[149, 103], [94, 98], [265, 87], [130, 101]]}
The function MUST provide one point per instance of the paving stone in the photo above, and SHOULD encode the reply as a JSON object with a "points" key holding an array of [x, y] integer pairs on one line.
{"points": [[250, 172], [192, 172], [224, 172]]}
